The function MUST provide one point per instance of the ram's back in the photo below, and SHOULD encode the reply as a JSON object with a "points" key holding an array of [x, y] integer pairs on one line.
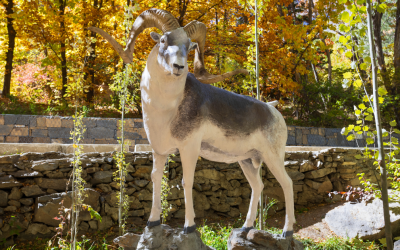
{"points": [[236, 115]]}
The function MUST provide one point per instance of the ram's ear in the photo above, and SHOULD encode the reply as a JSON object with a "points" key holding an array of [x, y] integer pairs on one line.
{"points": [[155, 36], [192, 46]]}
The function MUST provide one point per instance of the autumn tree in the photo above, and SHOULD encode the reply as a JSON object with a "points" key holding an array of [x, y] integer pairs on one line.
{"points": [[9, 5]]}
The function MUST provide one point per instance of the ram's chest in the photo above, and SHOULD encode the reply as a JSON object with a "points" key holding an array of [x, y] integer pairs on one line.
{"points": [[158, 130]]}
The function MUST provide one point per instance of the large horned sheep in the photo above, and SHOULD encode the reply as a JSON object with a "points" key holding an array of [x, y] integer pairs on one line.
{"points": [[181, 112]]}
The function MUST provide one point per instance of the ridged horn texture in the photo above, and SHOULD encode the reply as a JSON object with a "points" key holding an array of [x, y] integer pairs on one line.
{"points": [[160, 19], [197, 30]]}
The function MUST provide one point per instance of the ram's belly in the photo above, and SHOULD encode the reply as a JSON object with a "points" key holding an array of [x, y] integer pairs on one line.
{"points": [[216, 146]]}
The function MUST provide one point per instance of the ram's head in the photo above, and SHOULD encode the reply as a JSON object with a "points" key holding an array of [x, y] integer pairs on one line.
{"points": [[174, 44]]}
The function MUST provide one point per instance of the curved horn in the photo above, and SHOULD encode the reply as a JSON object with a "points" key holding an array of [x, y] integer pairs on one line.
{"points": [[197, 30], [160, 19]]}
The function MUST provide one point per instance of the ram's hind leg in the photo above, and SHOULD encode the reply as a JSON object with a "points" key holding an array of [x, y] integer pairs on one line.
{"points": [[276, 165], [251, 171]]}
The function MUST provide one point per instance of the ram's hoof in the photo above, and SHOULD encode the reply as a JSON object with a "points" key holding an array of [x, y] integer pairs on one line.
{"points": [[246, 229], [153, 223], [188, 230], [287, 234]]}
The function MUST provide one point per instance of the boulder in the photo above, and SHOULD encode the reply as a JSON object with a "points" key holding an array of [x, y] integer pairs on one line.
{"points": [[320, 173], [10, 209], [234, 174], [261, 240], [14, 203], [35, 228], [364, 221], [312, 184], [106, 223], [15, 226], [93, 224], [163, 237], [102, 177], [32, 191], [26, 174], [8, 159], [56, 184], [143, 172], [140, 159], [3, 198], [325, 187], [46, 207], [396, 245], [15, 194], [143, 195], [106, 188], [140, 183], [9, 183], [295, 175], [222, 207], [128, 241], [211, 174], [46, 165]]}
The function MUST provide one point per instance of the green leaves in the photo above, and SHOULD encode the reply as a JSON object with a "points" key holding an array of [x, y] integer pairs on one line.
{"points": [[357, 83], [369, 118], [363, 66], [370, 141], [351, 137], [345, 17], [393, 123], [381, 7], [343, 40], [349, 54], [382, 91], [347, 75]]}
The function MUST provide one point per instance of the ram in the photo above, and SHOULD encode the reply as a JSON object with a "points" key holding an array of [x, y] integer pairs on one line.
{"points": [[182, 112]]}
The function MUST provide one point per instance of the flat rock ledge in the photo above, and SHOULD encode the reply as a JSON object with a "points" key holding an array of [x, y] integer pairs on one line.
{"points": [[363, 220], [162, 237], [261, 240]]}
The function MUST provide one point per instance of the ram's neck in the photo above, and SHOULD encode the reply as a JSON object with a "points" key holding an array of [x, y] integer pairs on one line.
{"points": [[160, 90]]}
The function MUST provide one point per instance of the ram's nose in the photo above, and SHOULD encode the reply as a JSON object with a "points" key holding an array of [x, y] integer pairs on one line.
{"points": [[178, 69]]}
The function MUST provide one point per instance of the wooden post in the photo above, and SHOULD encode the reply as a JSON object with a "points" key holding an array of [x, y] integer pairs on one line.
{"points": [[381, 158]]}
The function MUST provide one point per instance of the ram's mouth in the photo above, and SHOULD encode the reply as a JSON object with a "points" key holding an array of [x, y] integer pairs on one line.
{"points": [[177, 74]]}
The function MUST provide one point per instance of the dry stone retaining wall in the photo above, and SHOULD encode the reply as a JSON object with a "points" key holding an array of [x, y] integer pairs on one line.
{"points": [[33, 184], [54, 129]]}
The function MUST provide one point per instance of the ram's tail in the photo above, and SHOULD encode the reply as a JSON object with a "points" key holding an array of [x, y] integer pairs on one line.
{"points": [[273, 103]]}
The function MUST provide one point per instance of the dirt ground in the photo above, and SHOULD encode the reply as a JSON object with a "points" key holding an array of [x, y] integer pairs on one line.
{"points": [[310, 222]]}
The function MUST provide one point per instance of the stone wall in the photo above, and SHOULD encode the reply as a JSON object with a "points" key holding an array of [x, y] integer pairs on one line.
{"points": [[55, 129], [308, 136], [50, 129], [33, 184]]}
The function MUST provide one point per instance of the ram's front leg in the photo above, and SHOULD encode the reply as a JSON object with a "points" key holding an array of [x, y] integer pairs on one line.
{"points": [[156, 176], [189, 155]]}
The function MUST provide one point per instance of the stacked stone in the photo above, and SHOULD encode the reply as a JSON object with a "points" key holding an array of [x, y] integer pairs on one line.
{"points": [[33, 184], [55, 129]]}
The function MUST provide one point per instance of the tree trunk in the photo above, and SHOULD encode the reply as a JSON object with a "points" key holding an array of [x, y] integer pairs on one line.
{"points": [[91, 60], [328, 55], [377, 23], [381, 158], [182, 11], [10, 52], [63, 50], [394, 90], [216, 27], [310, 5]]}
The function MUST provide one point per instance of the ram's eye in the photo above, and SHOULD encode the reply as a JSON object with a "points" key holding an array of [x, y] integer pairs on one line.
{"points": [[162, 40]]}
